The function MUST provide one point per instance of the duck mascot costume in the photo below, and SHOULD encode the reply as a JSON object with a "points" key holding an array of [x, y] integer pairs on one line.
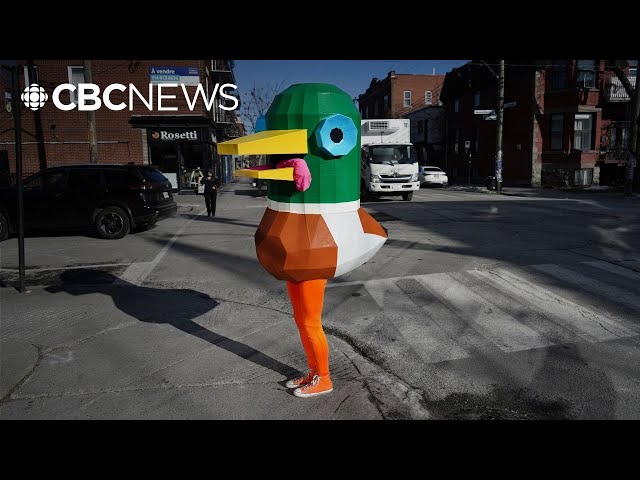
{"points": [[313, 228]]}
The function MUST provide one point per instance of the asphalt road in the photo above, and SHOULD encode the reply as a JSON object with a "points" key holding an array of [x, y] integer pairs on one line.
{"points": [[479, 306]]}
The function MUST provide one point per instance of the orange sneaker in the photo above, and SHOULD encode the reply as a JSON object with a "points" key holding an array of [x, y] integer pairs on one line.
{"points": [[317, 386], [301, 381]]}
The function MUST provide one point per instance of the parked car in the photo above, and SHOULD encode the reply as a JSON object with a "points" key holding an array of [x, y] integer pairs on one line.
{"points": [[114, 199], [432, 176]]}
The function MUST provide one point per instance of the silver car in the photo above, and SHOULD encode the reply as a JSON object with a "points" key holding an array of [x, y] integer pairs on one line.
{"points": [[432, 176]]}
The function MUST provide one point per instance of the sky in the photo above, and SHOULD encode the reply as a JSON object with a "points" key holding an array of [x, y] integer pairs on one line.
{"points": [[352, 76]]}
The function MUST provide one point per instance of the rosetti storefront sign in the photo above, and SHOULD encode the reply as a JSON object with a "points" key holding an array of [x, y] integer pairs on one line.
{"points": [[175, 134]]}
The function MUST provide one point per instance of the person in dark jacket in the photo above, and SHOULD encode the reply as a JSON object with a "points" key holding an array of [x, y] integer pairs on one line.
{"points": [[211, 184]]}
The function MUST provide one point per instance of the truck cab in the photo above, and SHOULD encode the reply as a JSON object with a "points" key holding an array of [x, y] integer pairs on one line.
{"points": [[389, 166]]}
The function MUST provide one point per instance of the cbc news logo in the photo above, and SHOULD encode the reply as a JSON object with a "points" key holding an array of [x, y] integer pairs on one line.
{"points": [[88, 96], [34, 97]]}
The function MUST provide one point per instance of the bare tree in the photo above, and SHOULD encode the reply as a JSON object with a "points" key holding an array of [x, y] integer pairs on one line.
{"points": [[256, 102]]}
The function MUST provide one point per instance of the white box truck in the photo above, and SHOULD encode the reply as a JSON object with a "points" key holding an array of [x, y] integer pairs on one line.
{"points": [[389, 165]]}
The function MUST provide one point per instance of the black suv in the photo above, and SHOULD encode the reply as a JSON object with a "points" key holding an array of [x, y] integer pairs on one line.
{"points": [[112, 198]]}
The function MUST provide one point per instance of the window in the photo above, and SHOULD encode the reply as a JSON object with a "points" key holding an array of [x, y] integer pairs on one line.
{"points": [[557, 130], [456, 105], [83, 179], [633, 68], [558, 74], [375, 109], [420, 127], [387, 102], [149, 174], [428, 97], [619, 135], [407, 98], [456, 140], [119, 177], [426, 130], [582, 135], [30, 75], [586, 73], [476, 99], [44, 180], [76, 76]]}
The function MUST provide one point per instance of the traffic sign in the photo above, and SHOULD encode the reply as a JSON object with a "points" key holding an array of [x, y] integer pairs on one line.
{"points": [[484, 112], [510, 104]]}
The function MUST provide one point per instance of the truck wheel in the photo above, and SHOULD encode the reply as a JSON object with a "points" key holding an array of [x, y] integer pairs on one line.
{"points": [[407, 196], [112, 223], [4, 227]]}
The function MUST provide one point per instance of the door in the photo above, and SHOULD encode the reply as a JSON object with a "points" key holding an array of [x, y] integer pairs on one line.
{"points": [[191, 159], [166, 157], [79, 199]]}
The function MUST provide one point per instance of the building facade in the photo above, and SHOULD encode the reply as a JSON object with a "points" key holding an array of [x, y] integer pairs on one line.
{"points": [[398, 94], [563, 125], [427, 135], [175, 134]]}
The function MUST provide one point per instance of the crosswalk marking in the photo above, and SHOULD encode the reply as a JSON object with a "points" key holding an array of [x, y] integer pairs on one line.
{"points": [[617, 294], [618, 270], [501, 328], [427, 339], [585, 323], [456, 315]]}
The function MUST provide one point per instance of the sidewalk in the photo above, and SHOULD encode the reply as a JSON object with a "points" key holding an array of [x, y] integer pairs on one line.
{"points": [[242, 193], [576, 193]]}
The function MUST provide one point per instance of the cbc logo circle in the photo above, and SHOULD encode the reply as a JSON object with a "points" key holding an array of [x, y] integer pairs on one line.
{"points": [[34, 97]]}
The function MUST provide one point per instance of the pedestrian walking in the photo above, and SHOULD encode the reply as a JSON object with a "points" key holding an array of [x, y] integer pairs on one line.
{"points": [[211, 185]]}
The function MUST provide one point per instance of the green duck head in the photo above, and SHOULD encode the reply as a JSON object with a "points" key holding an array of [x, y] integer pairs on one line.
{"points": [[319, 123]]}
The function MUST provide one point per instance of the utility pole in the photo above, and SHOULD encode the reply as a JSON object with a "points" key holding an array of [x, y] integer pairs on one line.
{"points": [[16, 106], [634, 141], [499, 118], [91, 117]]}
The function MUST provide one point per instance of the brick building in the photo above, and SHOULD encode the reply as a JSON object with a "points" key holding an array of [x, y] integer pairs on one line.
{"points": [[565, 122], [178, 141], [398, 94], [427, 135]]}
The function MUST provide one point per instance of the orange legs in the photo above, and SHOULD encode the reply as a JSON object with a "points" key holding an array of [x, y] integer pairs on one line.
{"points": [[307, 299]]}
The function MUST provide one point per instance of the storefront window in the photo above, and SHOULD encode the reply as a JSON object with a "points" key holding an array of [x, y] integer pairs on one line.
{"points": [[183, 154], [194, 168]]}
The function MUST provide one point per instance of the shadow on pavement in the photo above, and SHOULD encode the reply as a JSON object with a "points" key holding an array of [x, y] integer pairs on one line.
{"points": [[176, 307]]}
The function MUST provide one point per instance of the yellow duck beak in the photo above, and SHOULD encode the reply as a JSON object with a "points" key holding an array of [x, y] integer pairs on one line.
{"points": [[269, 142]]}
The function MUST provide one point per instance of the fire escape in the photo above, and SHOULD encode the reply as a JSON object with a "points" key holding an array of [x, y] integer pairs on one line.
{"points": [[225, 121]]}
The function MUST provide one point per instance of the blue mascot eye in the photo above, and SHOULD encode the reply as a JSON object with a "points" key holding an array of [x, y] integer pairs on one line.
{"points": [[336, 135]]}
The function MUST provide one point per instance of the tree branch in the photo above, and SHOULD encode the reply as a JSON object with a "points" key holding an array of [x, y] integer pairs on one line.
{"points": [[624, 80]]}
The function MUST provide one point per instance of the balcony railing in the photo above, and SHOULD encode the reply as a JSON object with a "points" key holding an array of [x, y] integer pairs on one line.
{"points": [[615, 92], [221, 66]]}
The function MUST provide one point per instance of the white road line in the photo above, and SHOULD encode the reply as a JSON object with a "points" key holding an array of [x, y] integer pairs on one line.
{"points": [[137, 273], [426, 338], [362, 282], [585, 323], [616, 294], [74, 267], [618, 270], [496, 325]]}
